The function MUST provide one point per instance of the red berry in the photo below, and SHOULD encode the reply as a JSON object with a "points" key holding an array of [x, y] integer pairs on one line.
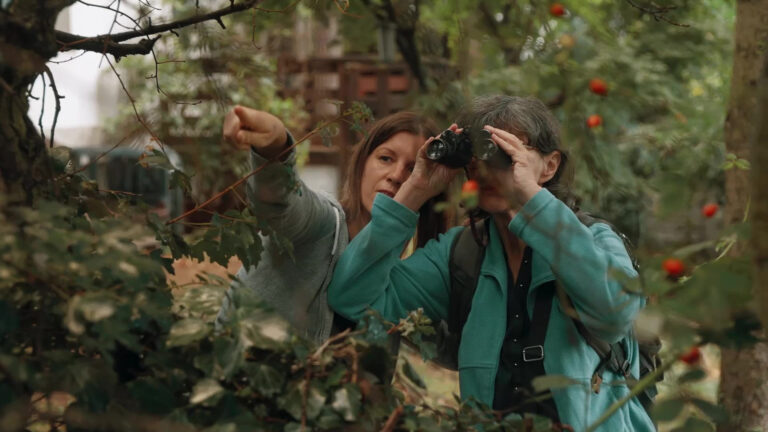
{"points": [[598, 86], [557, 9], [470, 186], [709, 210], [673, 266], [692, 356], [594, 121]]}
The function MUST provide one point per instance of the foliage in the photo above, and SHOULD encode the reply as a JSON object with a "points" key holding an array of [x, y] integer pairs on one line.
{"points": [[93, 337], [76, 293]]}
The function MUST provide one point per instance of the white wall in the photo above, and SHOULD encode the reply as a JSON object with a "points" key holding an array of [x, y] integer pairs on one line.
{"points": [[90, 89]]}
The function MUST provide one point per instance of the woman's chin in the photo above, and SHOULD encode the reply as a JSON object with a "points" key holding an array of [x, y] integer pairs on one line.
{"points": [[493, 204]]}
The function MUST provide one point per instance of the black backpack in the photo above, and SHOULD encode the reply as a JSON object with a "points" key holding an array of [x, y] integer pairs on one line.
{"points": [[466, 257]]}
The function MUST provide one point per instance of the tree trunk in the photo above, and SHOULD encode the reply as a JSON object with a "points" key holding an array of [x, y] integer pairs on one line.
{"points": [[744, 375], [27, 42]]}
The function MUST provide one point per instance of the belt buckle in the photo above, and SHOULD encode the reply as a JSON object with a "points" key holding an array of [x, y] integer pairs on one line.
{"points": [[536, 354]]}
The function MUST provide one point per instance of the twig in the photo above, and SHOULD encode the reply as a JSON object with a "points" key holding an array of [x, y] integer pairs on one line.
{"points": [[647, 380], [42, 111], [254, 172], [136, 110], [111, 43], [659, 13], [74, 57], [240, 197], [58, 102], [304, 394], [389, 426], [92, 161]]}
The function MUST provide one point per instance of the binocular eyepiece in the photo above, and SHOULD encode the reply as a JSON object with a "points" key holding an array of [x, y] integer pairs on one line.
{"points": [[456, 150]]}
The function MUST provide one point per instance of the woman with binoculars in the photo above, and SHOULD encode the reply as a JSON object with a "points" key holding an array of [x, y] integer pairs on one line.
{"points": [[533, 247]]}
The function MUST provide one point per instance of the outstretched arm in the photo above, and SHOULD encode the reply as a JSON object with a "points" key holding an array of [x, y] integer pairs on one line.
{"points": [[275, 193]]}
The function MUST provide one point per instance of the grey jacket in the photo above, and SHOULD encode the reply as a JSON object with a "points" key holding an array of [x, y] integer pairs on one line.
{"points": [[316, 226]]}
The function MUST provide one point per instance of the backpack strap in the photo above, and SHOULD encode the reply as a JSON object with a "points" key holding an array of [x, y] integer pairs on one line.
{"points": [[467, 253], [466, 258]]}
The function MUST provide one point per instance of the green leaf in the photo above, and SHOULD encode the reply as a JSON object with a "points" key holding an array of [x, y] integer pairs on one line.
{"points": [[9, 321], [264, 330], [292, 402], [346, 401], [667, 410], [153, 396], [187, 331], [692, 375], [714, 412], [181, 180], [266, 380], [551, 382], [206, 392], [694, 424], [412, 375]]}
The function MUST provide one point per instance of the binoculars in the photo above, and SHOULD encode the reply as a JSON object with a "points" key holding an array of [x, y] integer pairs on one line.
{"points": [[456, 150]]}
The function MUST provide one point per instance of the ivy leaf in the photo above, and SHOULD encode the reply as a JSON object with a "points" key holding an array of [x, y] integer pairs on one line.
{"points": [[266, 380], [187, 331], [346, 401], [292, 401], [264, 330], [206, 392]]}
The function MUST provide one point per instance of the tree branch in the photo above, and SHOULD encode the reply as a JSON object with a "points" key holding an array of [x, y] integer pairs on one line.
{"points": [[113, 43], [659, 13], [58, 98]]}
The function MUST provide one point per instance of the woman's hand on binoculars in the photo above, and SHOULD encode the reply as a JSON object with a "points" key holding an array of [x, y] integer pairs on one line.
{"points": [[428, 178], [520, 182], [246, 127]]}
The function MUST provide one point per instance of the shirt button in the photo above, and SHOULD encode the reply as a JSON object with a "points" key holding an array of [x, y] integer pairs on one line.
{"points": [[517, 316], [514, 340], [515, 365], [516, 388]]}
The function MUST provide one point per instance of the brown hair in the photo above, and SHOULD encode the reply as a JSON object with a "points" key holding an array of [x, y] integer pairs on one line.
{"points": [[529, 117], [430, 222]]}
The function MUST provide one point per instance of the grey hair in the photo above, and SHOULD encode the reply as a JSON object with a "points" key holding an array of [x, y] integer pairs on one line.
{"points": [[530, 120]]}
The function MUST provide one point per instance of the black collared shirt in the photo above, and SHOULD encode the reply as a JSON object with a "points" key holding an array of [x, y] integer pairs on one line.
{"points": [[510, 376]]}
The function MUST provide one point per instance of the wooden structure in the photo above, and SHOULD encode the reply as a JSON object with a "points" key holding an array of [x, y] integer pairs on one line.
{"points": [[329, 84]]}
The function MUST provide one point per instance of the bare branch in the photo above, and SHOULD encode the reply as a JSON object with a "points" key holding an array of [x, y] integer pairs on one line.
{"points": [[135, 109], [113, 43], [58, 103], [659, 13], [42, 110]]}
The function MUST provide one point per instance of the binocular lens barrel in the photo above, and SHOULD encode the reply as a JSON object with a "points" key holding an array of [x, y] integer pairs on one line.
{"points": [[436, 149]]}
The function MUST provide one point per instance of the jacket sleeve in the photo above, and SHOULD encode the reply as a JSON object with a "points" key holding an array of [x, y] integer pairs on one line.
{"points": [[590, 262], [292, 209], [370, 273]]}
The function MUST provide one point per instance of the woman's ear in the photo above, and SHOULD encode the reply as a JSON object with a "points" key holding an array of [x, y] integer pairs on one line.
{"points": [[551, 164]]}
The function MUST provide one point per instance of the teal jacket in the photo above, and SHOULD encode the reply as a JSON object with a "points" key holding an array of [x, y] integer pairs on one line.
{"points": [[587, 261]]}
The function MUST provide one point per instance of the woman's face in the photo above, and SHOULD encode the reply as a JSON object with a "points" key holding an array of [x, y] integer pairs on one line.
{"points": [[389, 166], [491, 197]]}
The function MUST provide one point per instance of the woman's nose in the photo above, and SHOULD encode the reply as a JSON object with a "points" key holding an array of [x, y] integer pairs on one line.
{"points": [[399, 174]]}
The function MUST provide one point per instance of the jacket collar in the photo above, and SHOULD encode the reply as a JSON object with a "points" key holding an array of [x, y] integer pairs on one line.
{"points": [[495, 266]]}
